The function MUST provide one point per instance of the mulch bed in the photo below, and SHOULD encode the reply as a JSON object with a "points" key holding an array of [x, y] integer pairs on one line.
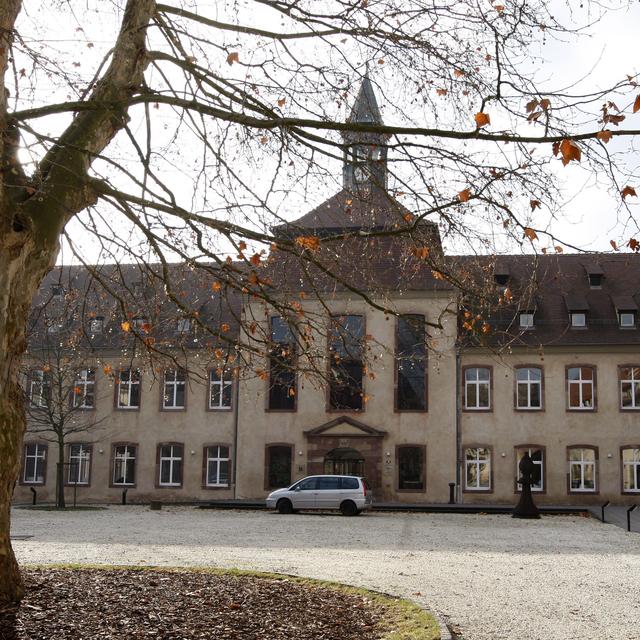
{"points": [[95, 603]]}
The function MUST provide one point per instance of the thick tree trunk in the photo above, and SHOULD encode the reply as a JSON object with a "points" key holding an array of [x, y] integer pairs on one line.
{"points": [[60, 501]]}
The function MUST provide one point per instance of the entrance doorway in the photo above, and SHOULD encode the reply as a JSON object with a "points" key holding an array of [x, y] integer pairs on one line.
{"points": [[344, 461]]}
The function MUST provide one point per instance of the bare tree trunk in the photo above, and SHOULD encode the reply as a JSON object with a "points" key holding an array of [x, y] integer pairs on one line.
{"points": [[60, 501]]}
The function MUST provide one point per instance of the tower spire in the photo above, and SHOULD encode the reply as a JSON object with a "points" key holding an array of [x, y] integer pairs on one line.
{"points": [[365, 109]]}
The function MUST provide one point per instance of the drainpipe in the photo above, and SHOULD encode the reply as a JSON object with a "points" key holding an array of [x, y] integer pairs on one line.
{"points": [[236, 409], [459, 425]]}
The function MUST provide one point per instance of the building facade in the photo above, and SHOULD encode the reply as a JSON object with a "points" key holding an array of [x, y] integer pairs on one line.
{"points": [[405, 379]]}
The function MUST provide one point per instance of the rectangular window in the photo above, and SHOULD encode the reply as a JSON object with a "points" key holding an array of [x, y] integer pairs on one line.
{"points": [[477, 461], [173, 396], [631, 470], [39, 388], [578, 319], [477, 388], [627, 319], [526, 320], [582, 470], [630, 387], [128, 391], [183, 325], [346, 363], [282, 362], [220, 386], [170, 465], [35, 459], [537, 456], [124, 464], [217, 466], [580, 387], [79, 463], [411, 361], [411, 468], [529, 388], [84, 386], [96, 325], [278, 466]]}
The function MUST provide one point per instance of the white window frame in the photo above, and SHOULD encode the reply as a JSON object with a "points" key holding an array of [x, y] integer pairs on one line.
{"points": [[478, 461], [477, 383], [39, 388], [634, 382], [83, 469], [130, 384], [624, 316], [218, 381], [582, 383], [170, 387], [39, 455], [578, 319], [582, 464], [170, 459], [634, 463], [520, 451], [84, 382], [215, 460], [130, 453], [526, 319], [528, 383], [183, 325]]}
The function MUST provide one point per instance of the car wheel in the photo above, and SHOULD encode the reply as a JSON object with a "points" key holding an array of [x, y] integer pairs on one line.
{"points": [[348, 508], [285, 506]]}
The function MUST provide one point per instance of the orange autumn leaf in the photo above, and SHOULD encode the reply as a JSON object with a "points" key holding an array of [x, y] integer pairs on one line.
{"points": [[308, 242], [486, 328], [464, 195], [535, 204], [219, 354], [242, 245], [216, 286], [255, 259], [107, 369], [559, 249], [636, 104], [569, 151], [262, 374], [281, 102], [614, 244], [233, 57], [545, 103], [224, 327], [441, 92], [628, 191], [125, 326], [605, 135], [634, 245], [482, 119], [458, 73], [146, 327], [499, 7], [422, 253], [530, 233]]}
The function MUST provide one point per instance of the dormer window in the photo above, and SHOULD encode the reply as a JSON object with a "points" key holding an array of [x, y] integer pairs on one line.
{"points": [[526, 319], [183, 325], [501, 275], [96, 325], [595, 275], [57, 291], [627, 319], [578, 319]]}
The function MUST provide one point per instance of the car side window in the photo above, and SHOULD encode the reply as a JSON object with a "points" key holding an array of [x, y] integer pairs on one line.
{"points": [[349, 483], [306, 485], [328, 484]]}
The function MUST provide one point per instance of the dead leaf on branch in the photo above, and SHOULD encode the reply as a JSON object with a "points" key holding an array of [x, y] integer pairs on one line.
{"points": [[569, 151], [530, 233], [604, 136], [614, 244], [535, 204], [628, 191], [308, 242], [482, 119], [636, 104], [233, 57], [464, 195]]}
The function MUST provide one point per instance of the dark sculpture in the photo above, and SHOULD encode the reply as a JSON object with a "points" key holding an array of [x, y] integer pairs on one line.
{"points": [[525, 507]]}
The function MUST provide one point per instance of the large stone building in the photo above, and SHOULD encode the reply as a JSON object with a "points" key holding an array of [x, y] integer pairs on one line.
{"points": [[400, 376]]}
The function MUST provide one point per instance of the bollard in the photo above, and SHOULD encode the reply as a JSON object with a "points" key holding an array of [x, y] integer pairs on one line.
{"points": [[124, 496], [452, 488], [606, 504], [629, 510], [35, 495], [155, 505]]}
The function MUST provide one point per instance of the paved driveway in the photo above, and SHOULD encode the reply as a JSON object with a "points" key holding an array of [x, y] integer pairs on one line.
{"points": [[559, 578]]}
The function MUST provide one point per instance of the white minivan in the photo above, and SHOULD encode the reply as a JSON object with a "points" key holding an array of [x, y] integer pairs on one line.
{"points": [[350, 494]]}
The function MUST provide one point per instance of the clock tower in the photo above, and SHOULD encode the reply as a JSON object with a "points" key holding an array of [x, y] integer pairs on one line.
{"points": [[365, 153]]}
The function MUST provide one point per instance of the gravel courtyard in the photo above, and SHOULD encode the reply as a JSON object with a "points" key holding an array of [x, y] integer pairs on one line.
{"points": [[492, 577]]}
